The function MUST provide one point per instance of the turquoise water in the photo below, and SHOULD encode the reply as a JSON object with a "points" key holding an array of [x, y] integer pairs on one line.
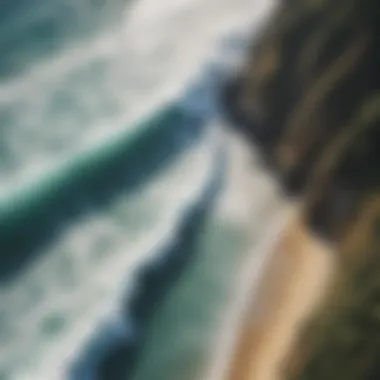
{"points": [[182, 337], [122, 232]]}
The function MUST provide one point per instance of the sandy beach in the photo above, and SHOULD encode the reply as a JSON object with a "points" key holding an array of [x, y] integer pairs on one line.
{"points": [[281, 278], [292, 282]]}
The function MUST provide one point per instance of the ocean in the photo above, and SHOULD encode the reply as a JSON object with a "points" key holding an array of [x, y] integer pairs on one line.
{"points": [[128, 211]]}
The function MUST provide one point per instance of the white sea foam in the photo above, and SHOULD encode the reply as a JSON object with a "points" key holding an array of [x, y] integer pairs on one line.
{"points": [[95, 289], [93, 90], [146, 64]]}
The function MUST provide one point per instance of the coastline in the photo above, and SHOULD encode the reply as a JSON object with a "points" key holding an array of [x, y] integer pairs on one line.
{"points": [[293, 281], [282, 279]]}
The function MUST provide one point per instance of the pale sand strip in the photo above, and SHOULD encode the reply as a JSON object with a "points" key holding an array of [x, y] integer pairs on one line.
{"points": [[284, 268], [239, 307], [293, 281], [251, 198]]}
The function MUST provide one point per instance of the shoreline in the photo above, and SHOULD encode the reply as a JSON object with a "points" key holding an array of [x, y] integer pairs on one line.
{"points": [[282, 280], [293, 281]]}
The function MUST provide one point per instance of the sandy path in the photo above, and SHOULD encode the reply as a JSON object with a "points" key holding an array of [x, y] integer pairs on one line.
{"points": [[292, 282]]}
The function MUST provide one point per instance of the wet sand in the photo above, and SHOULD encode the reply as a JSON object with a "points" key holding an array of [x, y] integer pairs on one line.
{"points": [[292, 282], [280, 280]]}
